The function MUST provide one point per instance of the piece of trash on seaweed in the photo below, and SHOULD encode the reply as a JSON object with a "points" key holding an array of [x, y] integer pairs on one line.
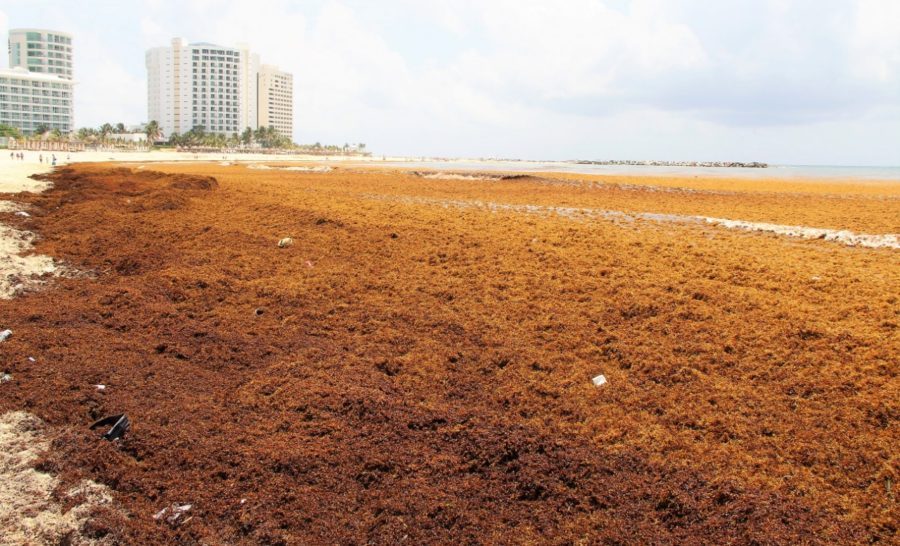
{"points": [[4, 335], [173, 513], [5, 377], [118, 424], [286, 242], [599, 381]]}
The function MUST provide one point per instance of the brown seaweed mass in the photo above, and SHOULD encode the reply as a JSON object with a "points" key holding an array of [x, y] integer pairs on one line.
{"points": [[412, 370]]}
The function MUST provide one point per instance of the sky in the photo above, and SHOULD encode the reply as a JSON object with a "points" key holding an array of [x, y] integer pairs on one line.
{"points": [[782, 81]]}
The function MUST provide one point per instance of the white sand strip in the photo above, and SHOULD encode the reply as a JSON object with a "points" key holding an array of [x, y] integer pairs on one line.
{"points": [[454, 176], [319, 169], [14, 175], [19, 272], [28, 512], [845, 237]]}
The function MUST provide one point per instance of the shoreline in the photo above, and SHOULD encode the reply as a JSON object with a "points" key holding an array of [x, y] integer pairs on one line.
{"points": [[862, 175]]}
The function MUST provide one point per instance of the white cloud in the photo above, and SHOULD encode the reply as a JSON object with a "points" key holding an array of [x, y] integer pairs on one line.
{"points": [[876, 40], [743, 79], [4, 31]]}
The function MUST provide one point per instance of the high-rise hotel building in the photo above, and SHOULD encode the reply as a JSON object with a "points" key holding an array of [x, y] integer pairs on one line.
{"points": [[37, 90], [212, 86], [190, 85], [276, 99], [41, 51]]}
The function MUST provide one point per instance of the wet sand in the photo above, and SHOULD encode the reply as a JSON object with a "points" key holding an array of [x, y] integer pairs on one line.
{"points": [[417, 366]]}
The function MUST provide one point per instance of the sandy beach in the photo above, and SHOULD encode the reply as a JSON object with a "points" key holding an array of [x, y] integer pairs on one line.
{"points": [[19, 268], [418, 364]]}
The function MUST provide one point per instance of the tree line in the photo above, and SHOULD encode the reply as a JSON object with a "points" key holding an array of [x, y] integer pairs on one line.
{"points": [[197, 137], [265, 137]]}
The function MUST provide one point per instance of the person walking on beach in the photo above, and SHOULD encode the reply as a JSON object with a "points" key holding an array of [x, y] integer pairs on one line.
{"points": [[41, 158], [54, 160]]}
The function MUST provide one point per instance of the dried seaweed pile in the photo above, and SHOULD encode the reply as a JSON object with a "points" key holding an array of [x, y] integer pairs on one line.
{"points": [[414, 372]]}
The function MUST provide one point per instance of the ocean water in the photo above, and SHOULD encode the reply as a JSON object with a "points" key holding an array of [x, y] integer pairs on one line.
{"points": [[793, 172]]}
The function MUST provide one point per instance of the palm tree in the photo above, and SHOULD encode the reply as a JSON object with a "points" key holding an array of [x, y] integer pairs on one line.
{"points": [[10, 131], [259, 135], [196, 136], [105, 130], [120, 128], [153, 131]]}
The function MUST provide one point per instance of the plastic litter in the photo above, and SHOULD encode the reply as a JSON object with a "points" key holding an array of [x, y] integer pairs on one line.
{"points": [[31, 359], [118, 424], [100, 387], [173, 513], [4, 335], [599, 381], [286, 242], [5, 377], [23, 213]]}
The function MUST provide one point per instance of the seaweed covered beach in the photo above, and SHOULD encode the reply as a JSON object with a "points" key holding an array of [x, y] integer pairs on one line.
{"points": [[414, 364]]}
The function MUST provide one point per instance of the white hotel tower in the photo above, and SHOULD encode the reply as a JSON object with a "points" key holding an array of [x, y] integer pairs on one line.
{"points": [[276, 99], [202, 85], [36, 91]]}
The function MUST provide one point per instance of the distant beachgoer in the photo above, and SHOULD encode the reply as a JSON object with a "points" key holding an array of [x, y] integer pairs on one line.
{"points": [[54, 160], [11, 154], [40, 158]]}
